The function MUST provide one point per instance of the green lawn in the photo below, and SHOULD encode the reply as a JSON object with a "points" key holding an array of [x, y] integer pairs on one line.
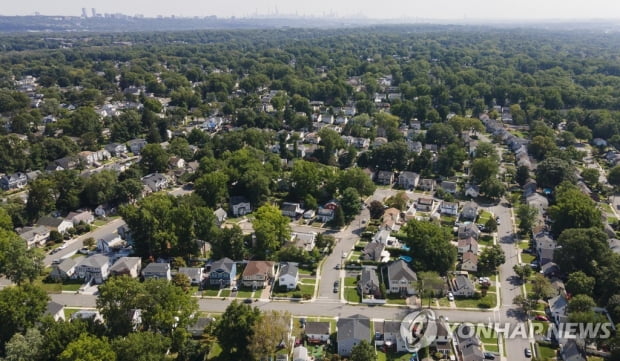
{"points": [[484, 217], [305, 272], [71, 287], [382, 356], [488, 335], [396, 300], [486, 240], [225, 293], [546, 352], [524, 245], [443, 302], [491, 347], [527, 258], [308, 281], [211, 293], [350, 281], [244, 294], [351, 295], [488, 301], [70, 311]]}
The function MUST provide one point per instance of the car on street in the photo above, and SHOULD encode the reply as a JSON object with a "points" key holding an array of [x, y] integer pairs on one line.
{"points": [[247, 300], [489, 356], [528, 352], [541, 318], [450, 296], [336, 286], [338, 266], [234, 289]]}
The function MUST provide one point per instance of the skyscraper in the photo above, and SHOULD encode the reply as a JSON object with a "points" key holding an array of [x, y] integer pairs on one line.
{"points": [[84, 13]]}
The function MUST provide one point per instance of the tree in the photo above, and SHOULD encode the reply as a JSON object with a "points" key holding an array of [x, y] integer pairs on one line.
{"points": [[24, 347], [356, 178], [440, 134], [117, 298], [234, 330], [430, 245], [88, 348], [583, 250], [399, 201], [363, 352], [590, 176], [524, 271], [141, 346], [541, 287], [580, 284], [614, 176], [154, 158], [350, 203], [522, 176], [486, 150], [305, 178], [553, 171], [376, 209], [5, 220], [271, 229], [527, 215], [581, 303], [166, 307], [213, 188], [269, 333], [41, 198], [339, 220], [229, 243], [524, 303], [573, 209], [19, 263], [20, 308], [483, 169], [182, 281], [491, 225], [491, 258], [540, 146], [493, 188]]}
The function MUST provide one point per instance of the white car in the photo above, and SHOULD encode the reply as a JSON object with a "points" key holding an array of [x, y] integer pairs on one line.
{"points": [[450, 296]]}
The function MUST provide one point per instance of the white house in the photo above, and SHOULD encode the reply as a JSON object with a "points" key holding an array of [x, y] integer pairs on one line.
{"points": [[401, 279], [157, 270], [450, 208], [94, 268], [289, 276], [194, 274], [240, 206]]}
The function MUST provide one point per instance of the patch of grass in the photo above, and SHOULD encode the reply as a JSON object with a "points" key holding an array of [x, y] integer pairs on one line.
{"points": [[70, 311], [244, 294], [350, 281], [486, 240], [547, 352], [540, 327], [305, 272], [351, 295], [524, 245], [488, 301], [527, 258], [308, 281], [215, 351], [225, 293], [100, 222], [396, 300], [488, 336], [443, 302], [491, 347], [382, 356], [71, 287], [484, 217], [211, 293]]}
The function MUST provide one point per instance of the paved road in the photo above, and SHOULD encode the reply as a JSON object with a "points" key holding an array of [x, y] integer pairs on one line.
{"points": [[345, 242]]}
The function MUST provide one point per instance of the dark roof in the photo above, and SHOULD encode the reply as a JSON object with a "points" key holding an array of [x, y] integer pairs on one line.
{"points": [[156, 267], [399, 270], [225, 264], [317, 328], [53, 308], [49, 221], [355, 327], [289, 268]]}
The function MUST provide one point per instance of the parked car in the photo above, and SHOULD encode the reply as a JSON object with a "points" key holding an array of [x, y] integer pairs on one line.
{"points": [[247, 300], [338, 266], [528, 352], [541, 318], [234, 289], [336, 286], [450, 296], [83, 250], [489, 356]]}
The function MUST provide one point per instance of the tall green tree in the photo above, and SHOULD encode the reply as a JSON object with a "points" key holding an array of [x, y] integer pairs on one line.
{"points": [[141, 346], [19, 263], [213, 188], [20, 308], [573, 209], [363, 352], [269, 332], [88, 348], [154, 158], [271, 229], [235, 329], [350, 203], [483, 169], [490, 259], [432, 250]]}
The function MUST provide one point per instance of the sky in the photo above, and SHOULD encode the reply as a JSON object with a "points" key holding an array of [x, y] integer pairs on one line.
{"points": [[385, 9]]}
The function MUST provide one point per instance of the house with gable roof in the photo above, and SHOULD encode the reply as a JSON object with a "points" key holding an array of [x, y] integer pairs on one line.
{"points": [[351, 331], [401, 279]]}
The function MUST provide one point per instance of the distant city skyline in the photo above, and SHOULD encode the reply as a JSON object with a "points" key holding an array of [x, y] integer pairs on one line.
{"points": [[492, 10]]}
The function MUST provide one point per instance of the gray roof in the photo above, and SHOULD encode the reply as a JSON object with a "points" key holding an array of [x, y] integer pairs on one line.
{"points": [[225, 264], [220, 213], [68, 263], [369, 277], [49, 221], [463, 282], [558, 304], [124, 263], [571, 352], [356, 327], [391, 327], [157, 267], [53, 308], [399, 270], [191, 272], [95, 261], [289, 268], [317, 328]]}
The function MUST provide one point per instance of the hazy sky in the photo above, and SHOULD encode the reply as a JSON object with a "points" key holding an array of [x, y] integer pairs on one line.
{"points": [[435, 9]]}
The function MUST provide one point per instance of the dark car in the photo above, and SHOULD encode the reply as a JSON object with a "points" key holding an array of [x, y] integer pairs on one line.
{"points": [[336, 286], [528, 352], [489, 356], [247, 300]]}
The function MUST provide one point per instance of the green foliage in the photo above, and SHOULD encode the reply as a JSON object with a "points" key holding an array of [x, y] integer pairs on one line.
{"points": [[235, 330], [483, 169], [490, 259], [553, 171], [20, 308], [141, 346], [19, 263], [526, 215], [573, 209], [350, 203], [271, 229], [213, 188], [430, 245], [580, 284], [88, 348], [363, 352], [154, 158]]}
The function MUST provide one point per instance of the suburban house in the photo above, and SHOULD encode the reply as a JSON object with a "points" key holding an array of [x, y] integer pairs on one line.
{"points": [[469, 211], [375, 251], [65, 269], [93, 269], [385, 177], [257, 274], [300, 353], [558, 306], [35, 236], [408, 180], [157, 271], [351, 331], [469, 244], [529, 188], [391, 219], [325, 214], [449, 186], [194, 274], [462, 286], [13, 181], [472, 190], [469, 262], [387, 333], [56, 310], [109, 241], [136, 145], [449, 208], [222, 272], [468, 230], [291, 209], [401, 279], [289, 276], [468, 344], [545, 247], [571, 351], [220, 216], [317, 332], [197, 328], [127, 266], [93, 315], [305, 241], [116, 149], [86, 217], [155, 182], [176, 163], [425, 204], [240, 206], [55, 224], [443, 338], [427, 184], [369, 285]]}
